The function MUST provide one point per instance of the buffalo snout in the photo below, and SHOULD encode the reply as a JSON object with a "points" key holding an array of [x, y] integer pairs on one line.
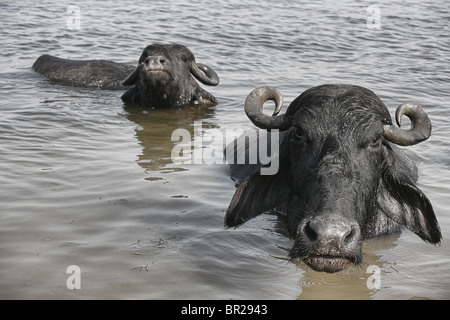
{"points": [[155, 63], [328, 243]]}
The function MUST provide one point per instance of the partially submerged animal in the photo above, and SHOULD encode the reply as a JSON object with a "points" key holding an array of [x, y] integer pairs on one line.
{"points": [[341, 179], [162, 79]]}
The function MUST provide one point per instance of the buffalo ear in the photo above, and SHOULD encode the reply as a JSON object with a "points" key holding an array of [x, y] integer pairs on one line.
{"points": [[131, 95], [255, 195], [132, 78], [400, 199], [204, 98]]}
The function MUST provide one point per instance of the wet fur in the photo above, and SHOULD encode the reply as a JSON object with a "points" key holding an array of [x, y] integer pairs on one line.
{"points": [[334, 159]]}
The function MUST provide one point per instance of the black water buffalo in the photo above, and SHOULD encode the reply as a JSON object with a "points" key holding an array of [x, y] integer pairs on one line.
{"points": [[162, 79], [340, 179]]}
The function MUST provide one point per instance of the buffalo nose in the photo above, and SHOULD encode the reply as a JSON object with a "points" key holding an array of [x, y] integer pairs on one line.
{"points": [[155, 62], [330, 235]]}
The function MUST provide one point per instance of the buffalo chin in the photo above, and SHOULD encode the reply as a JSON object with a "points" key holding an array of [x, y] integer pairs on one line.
{"points": [[328, 264]]}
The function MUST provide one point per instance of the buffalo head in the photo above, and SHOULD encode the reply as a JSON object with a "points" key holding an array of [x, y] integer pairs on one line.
{"points": [[341, 179], [163, 78]]}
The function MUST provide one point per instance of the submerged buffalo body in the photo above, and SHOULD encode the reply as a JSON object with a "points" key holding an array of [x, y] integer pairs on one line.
{"points": [[162, 79], [340, 179], [101, 74]]}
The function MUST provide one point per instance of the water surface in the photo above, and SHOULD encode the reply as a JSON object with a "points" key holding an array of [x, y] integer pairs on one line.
{"points": [[88, 181]]}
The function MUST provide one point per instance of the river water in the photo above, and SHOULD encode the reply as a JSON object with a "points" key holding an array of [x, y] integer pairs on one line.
{"points": [[89, 182]]}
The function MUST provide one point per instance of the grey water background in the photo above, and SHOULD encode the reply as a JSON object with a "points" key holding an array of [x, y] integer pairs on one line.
{"points": [[87, 181]]}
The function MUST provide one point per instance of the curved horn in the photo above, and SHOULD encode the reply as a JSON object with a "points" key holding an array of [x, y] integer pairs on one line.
{"points": [[204, 74], [254, 105], [420, 126]]}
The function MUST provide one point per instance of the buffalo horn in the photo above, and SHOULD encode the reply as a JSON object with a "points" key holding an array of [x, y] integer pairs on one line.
{"points": [[254, 109], [420, 126], [204, 74]]}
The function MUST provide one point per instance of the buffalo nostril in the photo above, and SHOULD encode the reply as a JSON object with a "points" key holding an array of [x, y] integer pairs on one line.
{"points": [[309, 232], [350, 234], [162, 60]]}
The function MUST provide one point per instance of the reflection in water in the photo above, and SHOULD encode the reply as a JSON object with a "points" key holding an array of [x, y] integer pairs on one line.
{"points": [[155, 131], [235, 261]]}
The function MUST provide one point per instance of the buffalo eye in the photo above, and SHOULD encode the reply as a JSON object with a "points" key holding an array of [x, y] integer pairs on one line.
{"points": [[374, 143], [299, 136], [183, 58]]}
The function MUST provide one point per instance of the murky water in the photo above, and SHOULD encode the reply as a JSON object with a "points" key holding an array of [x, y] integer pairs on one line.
{"points": [[89, 182]]}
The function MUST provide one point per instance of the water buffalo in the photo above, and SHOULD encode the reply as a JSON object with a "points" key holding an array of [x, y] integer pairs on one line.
{"points": [[162, 79], [341, 179]]}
